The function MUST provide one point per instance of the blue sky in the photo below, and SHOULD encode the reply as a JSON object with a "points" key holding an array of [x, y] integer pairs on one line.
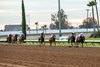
{"points": [[41, 10]]}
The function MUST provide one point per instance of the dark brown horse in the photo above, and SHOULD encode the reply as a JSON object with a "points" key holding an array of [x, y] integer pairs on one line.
{"points": [[52, 40], [21, 39], [71, 39], [14, 38], [41, 39], [9, 38], [80, 40], [76, 41]]}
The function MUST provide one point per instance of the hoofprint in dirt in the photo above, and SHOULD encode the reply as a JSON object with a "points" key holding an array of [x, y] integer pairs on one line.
{"points": [[45, 56]]}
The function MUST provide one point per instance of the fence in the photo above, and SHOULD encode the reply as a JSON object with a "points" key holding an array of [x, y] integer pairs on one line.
{"points": [[93, 43]]}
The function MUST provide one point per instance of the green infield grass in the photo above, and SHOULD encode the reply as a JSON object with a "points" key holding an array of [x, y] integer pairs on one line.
{"points": [[62, 44], [87, 38]]}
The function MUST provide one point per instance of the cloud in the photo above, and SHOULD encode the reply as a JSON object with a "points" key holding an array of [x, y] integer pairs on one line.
{"points": [[1, 27], [76, 21], [41, 10]]}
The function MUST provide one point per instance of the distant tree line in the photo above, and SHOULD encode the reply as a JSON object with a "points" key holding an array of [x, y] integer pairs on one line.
{"points": [[88, 23], [64, 22]]}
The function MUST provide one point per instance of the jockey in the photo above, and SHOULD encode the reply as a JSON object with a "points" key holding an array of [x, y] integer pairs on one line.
{"points": [[42, 35], [53, 35], [73, 37], [80, 37], [41, 38], [81, 34]]}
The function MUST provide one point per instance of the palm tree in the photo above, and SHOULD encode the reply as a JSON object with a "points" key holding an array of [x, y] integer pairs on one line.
{"points": [[23, 20], [88, 22], [97, 13], [45, 27], [63, 19], [36, 23], [53, 17], [42, 27], [92, 4]]}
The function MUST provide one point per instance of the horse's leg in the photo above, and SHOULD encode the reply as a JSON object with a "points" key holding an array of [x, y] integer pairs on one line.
{"points": [[50, 41], [20, 42], [41, 43], [79, 43], [16, 41], [44, 43], [54, 43], [76, 44], [8, 40], [82, 44], [71, 44]]}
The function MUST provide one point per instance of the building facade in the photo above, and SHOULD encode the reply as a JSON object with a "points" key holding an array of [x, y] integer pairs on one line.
{"points": [[14, 27]]}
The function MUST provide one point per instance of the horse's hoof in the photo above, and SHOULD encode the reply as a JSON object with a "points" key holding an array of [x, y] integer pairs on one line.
{"points": [[50, 45], [70, 46], [40, 46], [76, 46]]}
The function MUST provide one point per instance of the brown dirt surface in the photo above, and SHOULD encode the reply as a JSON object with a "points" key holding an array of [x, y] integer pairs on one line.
{"points": [[45, 56]]}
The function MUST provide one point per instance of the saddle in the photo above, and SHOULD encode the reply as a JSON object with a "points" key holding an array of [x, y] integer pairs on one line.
{"points": [[51, 39]]}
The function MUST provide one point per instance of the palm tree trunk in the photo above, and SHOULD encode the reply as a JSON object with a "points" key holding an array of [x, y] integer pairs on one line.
{"points": [[23, 20], [97, 15], [36, 29]]}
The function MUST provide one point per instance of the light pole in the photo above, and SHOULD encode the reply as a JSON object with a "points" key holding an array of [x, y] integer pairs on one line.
{"points": [[87, 18], [87, 13], [28, 22], [59, 18], [36, 23]]}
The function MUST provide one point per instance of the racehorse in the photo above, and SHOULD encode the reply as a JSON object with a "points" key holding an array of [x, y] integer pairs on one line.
{"points": [[76, 40], [9, 38], [41, 38], [14, 38], [71, 39], [80, 39], [21, 39], [52, 40]]}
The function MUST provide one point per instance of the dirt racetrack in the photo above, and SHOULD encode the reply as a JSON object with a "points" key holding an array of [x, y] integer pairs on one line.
{"points": [[35, 56]]}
